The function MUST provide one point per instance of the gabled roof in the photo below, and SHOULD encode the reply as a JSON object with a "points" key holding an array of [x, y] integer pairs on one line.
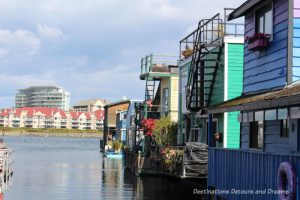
{"points": [[5, 112], [99, 114], [240, 11], [88, 116], [74, 115]]}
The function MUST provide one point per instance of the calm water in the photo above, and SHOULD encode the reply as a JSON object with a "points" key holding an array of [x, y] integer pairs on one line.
{"points": [[74, 169]]}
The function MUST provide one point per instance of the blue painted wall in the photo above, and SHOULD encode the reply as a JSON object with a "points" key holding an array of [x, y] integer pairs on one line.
{"points": [[273, 143], [265, 70], [296, 41], [247, 170]]}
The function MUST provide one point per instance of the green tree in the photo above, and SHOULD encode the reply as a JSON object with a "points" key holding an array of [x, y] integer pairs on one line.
{"points": [[165, 131]]}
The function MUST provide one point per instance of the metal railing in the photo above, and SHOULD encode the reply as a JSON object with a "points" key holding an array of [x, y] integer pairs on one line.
{"points": [[163, 60], [212, 30]]}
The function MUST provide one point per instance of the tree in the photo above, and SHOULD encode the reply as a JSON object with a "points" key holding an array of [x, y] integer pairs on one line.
{"points": [[165, 131]]}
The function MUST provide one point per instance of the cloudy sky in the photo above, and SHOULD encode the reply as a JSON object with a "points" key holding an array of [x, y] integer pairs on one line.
{"points": [[92, 48]]}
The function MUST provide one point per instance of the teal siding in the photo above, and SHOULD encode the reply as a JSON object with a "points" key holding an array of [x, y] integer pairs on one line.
{"points": [[235, 70], [235, 89], [233, 130], [217, 95]]}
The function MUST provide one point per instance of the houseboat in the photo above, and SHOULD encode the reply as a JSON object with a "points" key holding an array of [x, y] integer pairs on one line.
{"points": [[267, 164], [114, 127], [160, 73], [210, 72]]}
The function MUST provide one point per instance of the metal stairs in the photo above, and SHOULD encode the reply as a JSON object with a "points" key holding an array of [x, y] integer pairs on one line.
{"points": [[206, 59], [150, 88]]}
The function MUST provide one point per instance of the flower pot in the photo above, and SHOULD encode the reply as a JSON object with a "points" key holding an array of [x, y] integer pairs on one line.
{"points": [[258, 44]]}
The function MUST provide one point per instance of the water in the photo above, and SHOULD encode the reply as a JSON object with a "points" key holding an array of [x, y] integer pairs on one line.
{"points": [[74, 169]]}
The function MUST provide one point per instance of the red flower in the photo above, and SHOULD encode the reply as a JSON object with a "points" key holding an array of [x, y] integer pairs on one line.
{"points": [[148, 125], [257, 36]]}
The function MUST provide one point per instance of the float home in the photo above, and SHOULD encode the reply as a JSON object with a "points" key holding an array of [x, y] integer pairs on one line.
{"points": [[268, 161], [210, 72], [160, 73]]}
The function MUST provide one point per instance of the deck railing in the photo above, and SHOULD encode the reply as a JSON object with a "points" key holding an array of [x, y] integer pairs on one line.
{"points": [[213, 30], [164, 61]]}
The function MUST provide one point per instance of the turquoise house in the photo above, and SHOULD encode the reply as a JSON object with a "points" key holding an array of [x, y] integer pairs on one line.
{"points": [[210, 72]]}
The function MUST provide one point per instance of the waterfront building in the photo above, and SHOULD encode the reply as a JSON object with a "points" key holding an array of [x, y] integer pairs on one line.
{"points": [[268, 158], [110, 120], [43, 96], [210, 72], [133, 133], [121, 118], [90, 105], [160, 73], [42, 117]]}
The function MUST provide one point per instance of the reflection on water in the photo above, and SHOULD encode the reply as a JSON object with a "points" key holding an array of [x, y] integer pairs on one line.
{"points": [[74, 169]]}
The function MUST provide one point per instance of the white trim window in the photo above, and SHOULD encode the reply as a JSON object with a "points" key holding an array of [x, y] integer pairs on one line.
{"points": [[264, 20]]}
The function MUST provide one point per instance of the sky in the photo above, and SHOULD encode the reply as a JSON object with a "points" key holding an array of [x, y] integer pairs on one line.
{"points": [[91, 48]]}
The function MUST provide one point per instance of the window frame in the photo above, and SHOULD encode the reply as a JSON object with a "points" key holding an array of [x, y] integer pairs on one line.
{"points": [[284, 128], [258, 125], [258, 12]]}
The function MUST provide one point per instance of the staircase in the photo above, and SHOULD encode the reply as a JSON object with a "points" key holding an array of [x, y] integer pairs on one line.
{"points": [[206, 60], [150, 88]]}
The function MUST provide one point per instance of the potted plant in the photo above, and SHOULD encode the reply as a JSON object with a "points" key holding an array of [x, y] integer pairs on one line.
{"points": [[258, 41], [187, 52]]}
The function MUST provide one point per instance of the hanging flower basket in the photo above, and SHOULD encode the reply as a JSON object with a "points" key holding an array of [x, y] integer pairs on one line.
{"points": [[258, 41]]}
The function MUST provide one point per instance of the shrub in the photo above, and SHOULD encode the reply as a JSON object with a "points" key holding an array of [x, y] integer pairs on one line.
{"points": [[165, 131]]}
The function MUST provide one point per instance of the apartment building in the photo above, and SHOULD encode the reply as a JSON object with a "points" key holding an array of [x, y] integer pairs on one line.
{"points": [[43, 96], [90, 105], [41, 117]]}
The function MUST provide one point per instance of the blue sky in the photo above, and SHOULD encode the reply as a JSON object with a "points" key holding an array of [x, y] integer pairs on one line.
{"points": [[92, 48]]}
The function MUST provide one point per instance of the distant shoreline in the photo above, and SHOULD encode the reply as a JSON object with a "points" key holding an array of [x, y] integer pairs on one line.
{"points": [[51, 133]]}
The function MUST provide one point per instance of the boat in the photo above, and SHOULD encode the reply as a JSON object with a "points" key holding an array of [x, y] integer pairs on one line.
{"points": [[113, 154]]}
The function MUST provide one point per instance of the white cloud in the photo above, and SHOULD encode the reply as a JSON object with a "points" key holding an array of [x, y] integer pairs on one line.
{"points": [[49, 32], [21, 81], [19, 42]]}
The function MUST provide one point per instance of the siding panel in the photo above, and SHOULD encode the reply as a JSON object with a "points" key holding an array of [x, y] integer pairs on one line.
{"points": [[271, 64]]}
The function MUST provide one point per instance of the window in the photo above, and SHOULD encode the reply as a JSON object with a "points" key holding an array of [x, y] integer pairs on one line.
{"points": [[264, 20], [284, 132], [256, 134], [165, 101]]}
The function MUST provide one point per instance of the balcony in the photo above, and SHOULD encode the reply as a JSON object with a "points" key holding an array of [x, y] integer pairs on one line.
{"points": [[158, 66], [247, 170]]}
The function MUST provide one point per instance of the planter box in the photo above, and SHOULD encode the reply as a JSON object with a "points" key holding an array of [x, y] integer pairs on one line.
{"points": [[258, 44]]}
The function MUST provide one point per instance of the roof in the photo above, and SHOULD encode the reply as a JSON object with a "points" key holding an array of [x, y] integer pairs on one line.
{"points": [[99, 114], [5, 112], [91, 102], [30, 111], [75, 115], [240, 11], [287, 97], [88, 116], [117, 103]]}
